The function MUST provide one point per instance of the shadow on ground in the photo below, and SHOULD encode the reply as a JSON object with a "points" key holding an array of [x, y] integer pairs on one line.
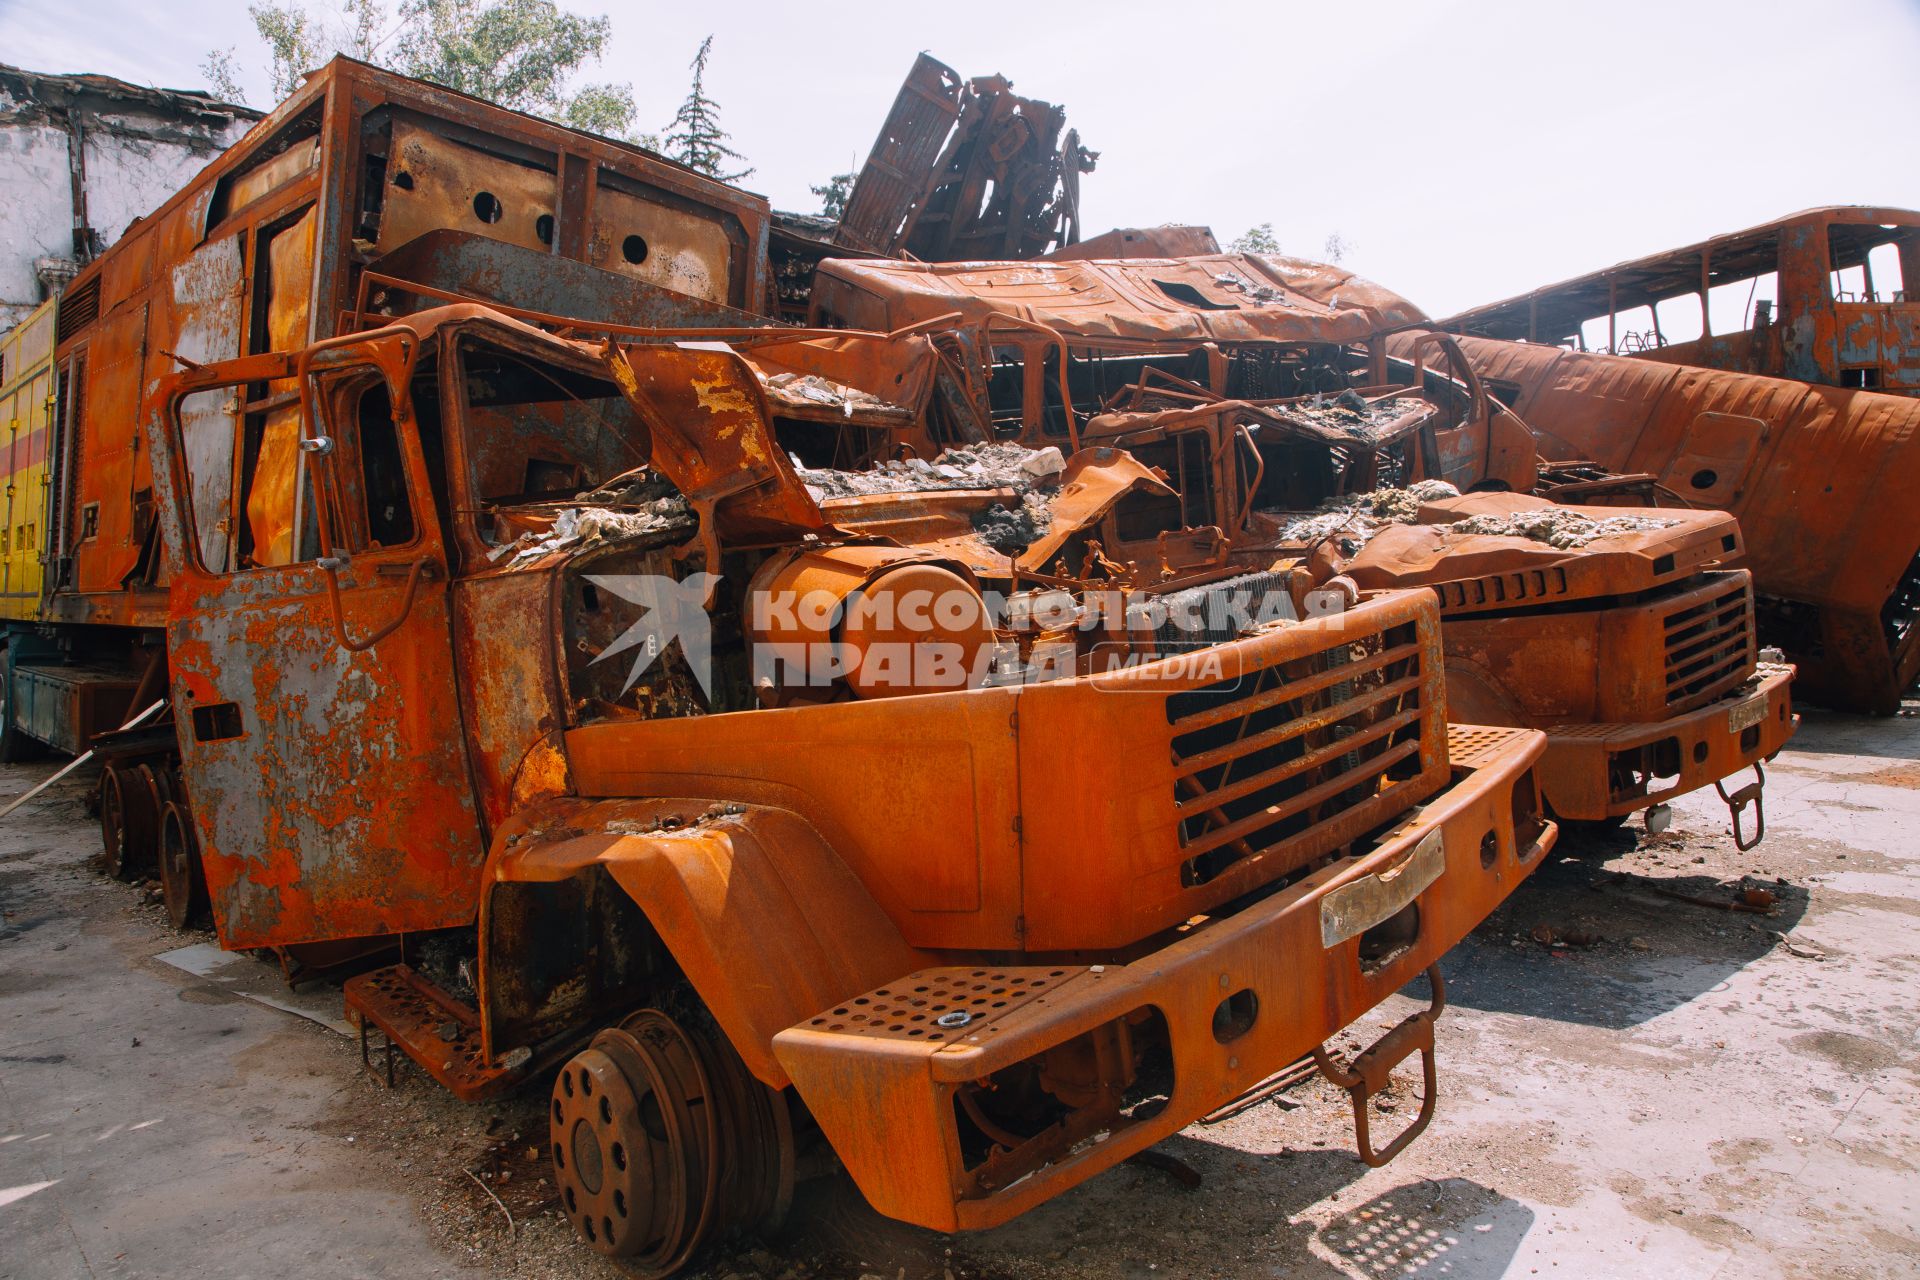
{"points": [[1245, 1218], [1641, 943]]}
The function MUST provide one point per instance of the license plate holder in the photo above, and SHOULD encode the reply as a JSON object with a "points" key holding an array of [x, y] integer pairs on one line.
{"points": [[1745, 715]]}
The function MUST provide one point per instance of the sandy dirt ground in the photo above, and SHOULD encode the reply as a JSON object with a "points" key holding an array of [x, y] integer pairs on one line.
{"points": [[1630, 1084]]}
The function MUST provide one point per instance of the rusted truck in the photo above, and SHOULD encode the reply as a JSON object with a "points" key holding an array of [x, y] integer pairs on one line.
{"points": [[1817, 475], [1269, 389], [1760, 372], [383, 570], [986, 964]]}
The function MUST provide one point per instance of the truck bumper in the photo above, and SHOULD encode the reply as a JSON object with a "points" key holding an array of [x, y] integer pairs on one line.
{"points": [[894, 1076], [1597, 771]]}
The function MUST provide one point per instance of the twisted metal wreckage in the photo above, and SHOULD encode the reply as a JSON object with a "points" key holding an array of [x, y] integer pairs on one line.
{"points": [[1266, 676]]}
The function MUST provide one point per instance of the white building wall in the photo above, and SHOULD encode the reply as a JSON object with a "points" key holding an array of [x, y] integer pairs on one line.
{"points": [[36, 211], [139, 151]]}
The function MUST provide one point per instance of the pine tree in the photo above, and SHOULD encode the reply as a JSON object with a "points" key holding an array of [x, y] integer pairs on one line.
{"points": [[833, 195], [694, 136]]}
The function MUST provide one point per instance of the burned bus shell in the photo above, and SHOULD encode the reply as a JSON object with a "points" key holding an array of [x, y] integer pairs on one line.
{"points": [[1825, 296]]}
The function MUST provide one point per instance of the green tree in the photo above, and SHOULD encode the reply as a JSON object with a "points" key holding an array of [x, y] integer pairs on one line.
{"points": [[1258, 239], [694, 136], [1336, 248], [518, 53], [833, 195], [522, 54], [223, 75]]}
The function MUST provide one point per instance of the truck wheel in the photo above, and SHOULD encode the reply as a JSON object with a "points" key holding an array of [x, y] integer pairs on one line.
{"points": [[183, 885], [659, 1138], [131, 802]]}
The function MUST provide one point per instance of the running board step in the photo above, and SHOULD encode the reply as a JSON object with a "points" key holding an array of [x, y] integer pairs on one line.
{"points": [[431, 1027]]}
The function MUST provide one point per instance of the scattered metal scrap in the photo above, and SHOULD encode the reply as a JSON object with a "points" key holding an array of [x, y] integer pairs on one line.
{"points": [[965, 171]]}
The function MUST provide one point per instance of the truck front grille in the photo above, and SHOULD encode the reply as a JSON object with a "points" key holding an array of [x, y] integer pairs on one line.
{"points": [[1709, 645], [1198, 617], [1267, 760]]}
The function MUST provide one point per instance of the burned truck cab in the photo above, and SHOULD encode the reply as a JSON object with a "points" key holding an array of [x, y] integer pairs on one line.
{"points": [[1307, 422], [487, 651]]}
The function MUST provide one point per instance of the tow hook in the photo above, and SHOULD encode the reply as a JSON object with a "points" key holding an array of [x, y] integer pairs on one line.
{"points": [[1372, 1069], [1751, 794]]}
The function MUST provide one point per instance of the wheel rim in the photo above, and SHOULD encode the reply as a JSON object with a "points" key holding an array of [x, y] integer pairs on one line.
{"points": [[143, 814], [615, 1142], [113, 829], [659, 1137], [181, 886]]}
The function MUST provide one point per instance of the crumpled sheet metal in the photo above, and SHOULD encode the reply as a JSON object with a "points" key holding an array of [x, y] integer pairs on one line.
{"points": [[939, 520], [1147, 301], [712, 436], [891, 377]]}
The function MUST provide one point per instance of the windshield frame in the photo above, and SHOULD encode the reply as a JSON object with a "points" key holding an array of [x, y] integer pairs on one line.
{"points": [[471, 511]]}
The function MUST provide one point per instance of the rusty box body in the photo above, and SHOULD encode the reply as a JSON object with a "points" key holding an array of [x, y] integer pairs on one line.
{"points": [[360, 170]]}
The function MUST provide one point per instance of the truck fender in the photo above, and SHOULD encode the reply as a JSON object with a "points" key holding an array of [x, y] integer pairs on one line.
{"points": [[754, 906], [1474, 696]]}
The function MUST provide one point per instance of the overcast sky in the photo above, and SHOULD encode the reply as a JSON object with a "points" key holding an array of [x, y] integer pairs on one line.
{"points": [[1466, 151]]}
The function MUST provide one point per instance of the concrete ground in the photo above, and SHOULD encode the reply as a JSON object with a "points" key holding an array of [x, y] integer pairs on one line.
{"points": [[1631, 1084]]}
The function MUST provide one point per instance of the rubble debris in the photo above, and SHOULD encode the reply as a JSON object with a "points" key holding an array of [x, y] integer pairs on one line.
{"points": [[1013, 531], [1350, 414], [1548, 936], [813, 391], [1559, 526], [1360, 517], [978, 466], [589, 526]]}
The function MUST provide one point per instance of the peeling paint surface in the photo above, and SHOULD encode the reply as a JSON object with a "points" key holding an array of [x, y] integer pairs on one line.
{"points": [[343, 808]]}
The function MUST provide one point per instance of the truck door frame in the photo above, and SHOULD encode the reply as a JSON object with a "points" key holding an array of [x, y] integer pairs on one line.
{"points": [[320, 727]]}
